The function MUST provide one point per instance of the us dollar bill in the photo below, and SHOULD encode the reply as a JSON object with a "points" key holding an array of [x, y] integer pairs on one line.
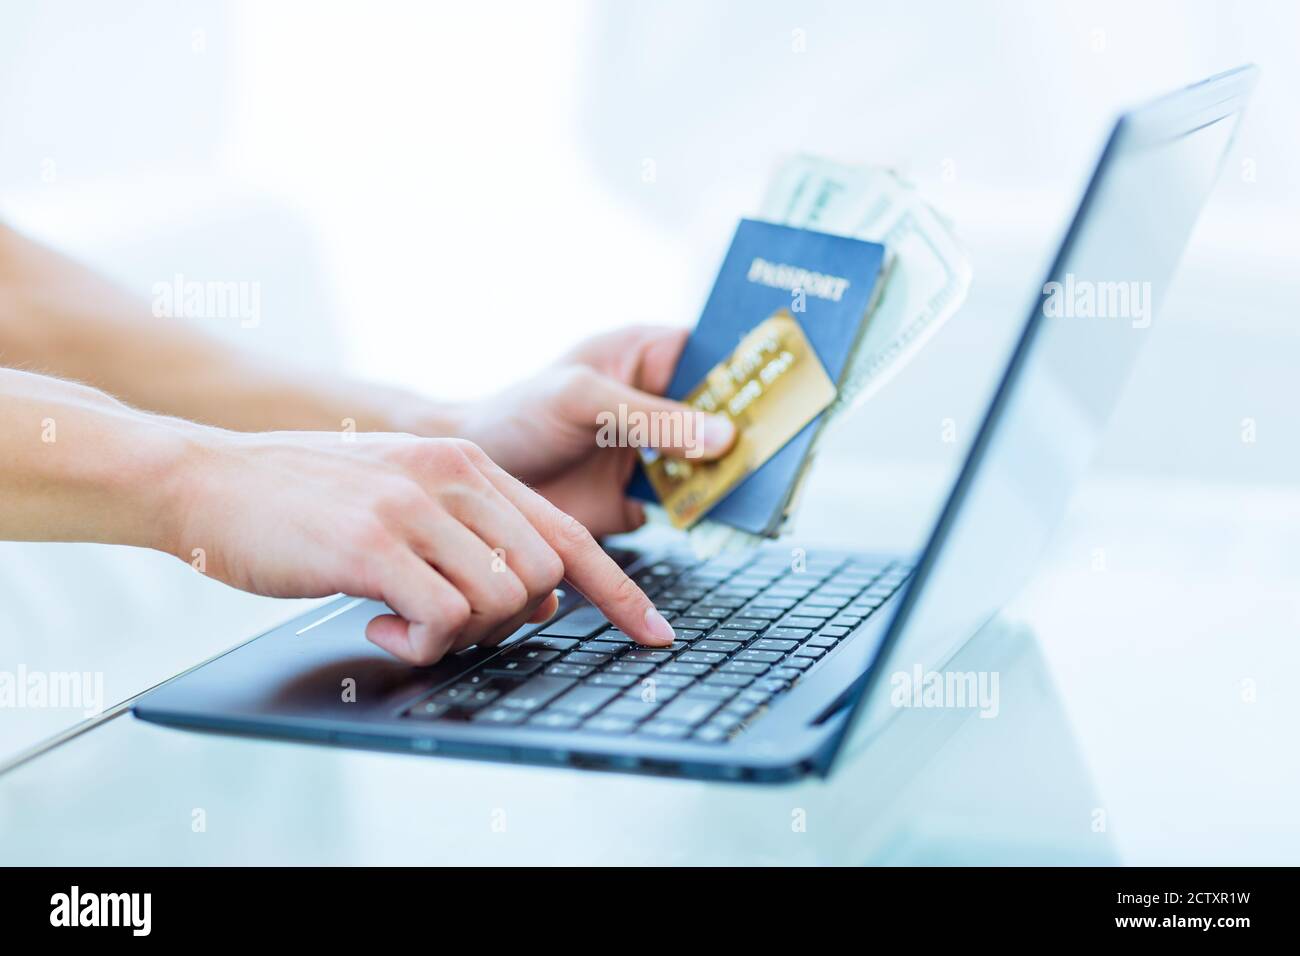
{"points": [[928, 277], [929, 273]]}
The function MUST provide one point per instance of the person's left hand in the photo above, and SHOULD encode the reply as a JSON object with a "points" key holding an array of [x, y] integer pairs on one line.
{"points": [[545, 430]]}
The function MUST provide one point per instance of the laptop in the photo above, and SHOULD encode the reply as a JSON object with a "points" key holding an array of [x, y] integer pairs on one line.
{"points": [[783, 659]]}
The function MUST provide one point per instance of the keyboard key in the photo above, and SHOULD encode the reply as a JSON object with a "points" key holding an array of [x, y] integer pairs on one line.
{"points": [[554, 720], [726, 722], [551, 643], [499, 667], [691, 670], [700, 657], [664, 731], [834, 632], [734, 634], [609, 725], [600, 647], [708, 734], [695, 623], [763, 612], [686, 634], [631, 667], [604, 679], [774, 684], [787, 673], [582, 622], [500, 715], [569, 670], [586, 657], [719, 647], [718, 692], [812, 623], [645, 657], [722, 679], [671, 604], [428, 710], [770, 644], [536, 693], [661, 679], [460, 692], [798, 663], [732, 591], [806, 651], [585, 700], [823, 642], [815, 611], [530, 654], [747, 623], [479, 698], [657, 694], [789, 633], [724, 608], [614, 637], [688, 709], [632, 708], [764, 657], [753, 668], [740, 708], [824, 603]]}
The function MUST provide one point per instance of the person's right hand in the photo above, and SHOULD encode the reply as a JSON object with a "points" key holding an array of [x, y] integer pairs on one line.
{"points": [[460, 551]]}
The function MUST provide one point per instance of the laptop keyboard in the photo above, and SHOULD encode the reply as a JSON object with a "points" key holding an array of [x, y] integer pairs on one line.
{"points": [[748, 628]]}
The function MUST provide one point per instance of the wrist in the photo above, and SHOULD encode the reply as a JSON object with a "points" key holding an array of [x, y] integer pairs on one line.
{"points": [[421, 416], [175, 474]]}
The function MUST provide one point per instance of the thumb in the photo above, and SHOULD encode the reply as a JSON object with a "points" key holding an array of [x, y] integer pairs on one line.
{"points": [[628, 417]]}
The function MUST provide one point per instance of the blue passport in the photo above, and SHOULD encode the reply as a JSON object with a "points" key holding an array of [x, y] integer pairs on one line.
{"points": [[827, 283]]}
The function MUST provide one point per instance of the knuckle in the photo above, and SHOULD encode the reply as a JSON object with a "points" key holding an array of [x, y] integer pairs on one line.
{"points": [[368, 538], [443, 458], [572, 531], [542, 571], [627, 593], [551, 568], [453, 611], [471, 452], [573, 376], [576, 381], [430, 647], [510, 595], [397, 501]]}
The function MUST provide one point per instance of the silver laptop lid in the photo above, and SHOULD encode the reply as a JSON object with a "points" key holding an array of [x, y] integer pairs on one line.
{"points": [[1088, 321]]}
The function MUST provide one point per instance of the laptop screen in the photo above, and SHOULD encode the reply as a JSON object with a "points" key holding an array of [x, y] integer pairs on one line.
{"points": [[1099, 304]]}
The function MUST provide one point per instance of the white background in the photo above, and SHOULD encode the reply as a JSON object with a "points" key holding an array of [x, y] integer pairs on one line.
{"points": [[457, 190], [445, 195]]}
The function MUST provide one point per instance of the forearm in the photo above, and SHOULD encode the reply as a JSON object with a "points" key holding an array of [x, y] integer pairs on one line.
{"points": [[78, 465], [58, 317]]}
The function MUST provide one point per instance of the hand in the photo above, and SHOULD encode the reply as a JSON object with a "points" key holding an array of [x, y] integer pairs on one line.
{"points": [[460, 551], [544, 431]]}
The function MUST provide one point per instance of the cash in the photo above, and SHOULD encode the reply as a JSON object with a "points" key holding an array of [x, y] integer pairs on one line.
{"points": [[929, 277]]}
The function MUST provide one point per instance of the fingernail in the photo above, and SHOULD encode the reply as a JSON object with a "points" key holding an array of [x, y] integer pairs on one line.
{"points": [[717, 433], [659, 627]]}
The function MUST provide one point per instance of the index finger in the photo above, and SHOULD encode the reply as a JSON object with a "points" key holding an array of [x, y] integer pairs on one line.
{"points": [[586, 565]]}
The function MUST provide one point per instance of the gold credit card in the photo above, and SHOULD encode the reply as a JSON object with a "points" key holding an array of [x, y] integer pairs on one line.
{"points": [[771, 386]]}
